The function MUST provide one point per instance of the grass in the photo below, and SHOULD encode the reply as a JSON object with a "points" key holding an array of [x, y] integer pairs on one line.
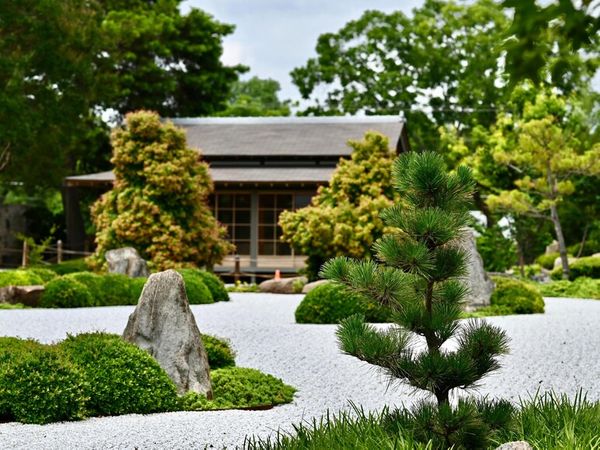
{"points": [[547, 421], [11, 306]]}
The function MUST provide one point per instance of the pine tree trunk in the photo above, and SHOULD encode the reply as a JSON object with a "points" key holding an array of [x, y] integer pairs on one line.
{"points": [[562, 247]]}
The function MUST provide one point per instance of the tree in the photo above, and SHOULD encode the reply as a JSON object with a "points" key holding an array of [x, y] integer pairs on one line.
{"points": [[418, 275], [256, 97], [547, 162], [545, 41], [343, 218], [159, 202], [445, 60]]}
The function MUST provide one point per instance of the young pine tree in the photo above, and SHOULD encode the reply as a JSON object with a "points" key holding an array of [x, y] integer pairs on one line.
{"points": [[418, 276]]}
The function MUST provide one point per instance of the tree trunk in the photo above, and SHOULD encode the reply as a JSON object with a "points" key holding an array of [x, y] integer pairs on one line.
{"points": [[583, 240], [485, 210], [562, 247]]}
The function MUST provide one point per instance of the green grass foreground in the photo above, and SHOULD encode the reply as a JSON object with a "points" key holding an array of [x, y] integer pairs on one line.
{"points": [[547, 421]]}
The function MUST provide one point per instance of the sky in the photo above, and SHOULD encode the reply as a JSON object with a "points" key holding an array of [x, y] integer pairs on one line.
{"points": [[273, 37]]}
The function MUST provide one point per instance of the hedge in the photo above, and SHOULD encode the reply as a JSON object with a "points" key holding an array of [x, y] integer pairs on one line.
{"points": [[547, 260], [123, 379], [582, 287], [215, 285], [197, 292], [19, 278], [66, 292], [219, 352], [588, 266], [516, 296], [331, 302]]}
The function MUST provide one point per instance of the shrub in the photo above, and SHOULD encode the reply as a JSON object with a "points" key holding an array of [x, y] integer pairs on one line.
{"points": [[38, 384], [45, 274], [219, 352], [19, 278], [70, 266], [547, 260], [197, 292], [588, 266], [330, 303], [242, 286], [237, 387], [516, 296], [136, 287], [582, 287], [215, 285], [65, 292], [123, 378], [118, 289], [90, 280]]}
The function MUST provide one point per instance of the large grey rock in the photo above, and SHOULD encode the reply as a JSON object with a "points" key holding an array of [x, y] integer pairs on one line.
{"points": [[310, 286], [552, 247], [163, 325], [27, 295], [126, 261], [283, 285], [515, 445], [479, 283]]}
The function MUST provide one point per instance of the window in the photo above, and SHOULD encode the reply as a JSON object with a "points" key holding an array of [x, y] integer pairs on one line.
{"points": [[233, 211]]}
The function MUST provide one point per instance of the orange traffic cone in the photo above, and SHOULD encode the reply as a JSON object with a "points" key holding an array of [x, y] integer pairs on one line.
{"points": [[277, 274]]}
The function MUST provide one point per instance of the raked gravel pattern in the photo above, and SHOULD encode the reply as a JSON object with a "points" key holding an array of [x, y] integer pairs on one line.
{"points": [[557, 350]]}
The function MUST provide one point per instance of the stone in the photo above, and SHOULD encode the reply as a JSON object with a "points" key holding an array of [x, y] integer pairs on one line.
{"points": [[552, 247], [163, 325], [558, 262], [283, 285], [477, 280], [27, 295], [126, 261], [515, 445], [310, 286]]}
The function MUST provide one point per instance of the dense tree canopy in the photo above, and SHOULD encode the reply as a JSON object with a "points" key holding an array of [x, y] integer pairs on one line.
{"points": [[256, 97], [64, 61]]}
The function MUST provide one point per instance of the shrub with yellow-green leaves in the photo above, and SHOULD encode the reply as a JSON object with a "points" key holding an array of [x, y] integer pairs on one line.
{"points": [[159, 201], [343, 218]]}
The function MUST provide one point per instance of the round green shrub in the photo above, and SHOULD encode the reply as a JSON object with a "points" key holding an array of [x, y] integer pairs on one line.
{"points": [[330, 303], [38, 384], [588, 266], [516, 296], [215, 285], [90, 280], [219, 352], [123, 378], [119, 289], [547, 260], [238, 387], [65, 292], [197, 292], [19, 278], [45, 274]]}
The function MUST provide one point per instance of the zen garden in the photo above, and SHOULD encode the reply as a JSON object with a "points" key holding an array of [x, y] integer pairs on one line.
{"points": [[403, 254]]}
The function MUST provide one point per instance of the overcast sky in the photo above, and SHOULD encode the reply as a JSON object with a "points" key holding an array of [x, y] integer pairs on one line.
{"points": [[274, 36]]}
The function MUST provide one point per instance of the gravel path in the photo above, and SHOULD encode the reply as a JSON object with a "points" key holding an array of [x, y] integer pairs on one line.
{"points": [[557, 350]]}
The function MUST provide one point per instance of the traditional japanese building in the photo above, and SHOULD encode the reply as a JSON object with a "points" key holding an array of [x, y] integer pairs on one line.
{"points": [[260, 167]]}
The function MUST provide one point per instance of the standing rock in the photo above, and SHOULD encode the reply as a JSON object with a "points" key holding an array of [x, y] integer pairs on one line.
{"points": [[126, 261], [515, 445], [479, 283], [552, 247], [163, 325], [27, 295], [310, 286]]}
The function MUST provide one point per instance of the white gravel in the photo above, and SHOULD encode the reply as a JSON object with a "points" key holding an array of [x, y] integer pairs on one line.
{"points": [[557, 350]]}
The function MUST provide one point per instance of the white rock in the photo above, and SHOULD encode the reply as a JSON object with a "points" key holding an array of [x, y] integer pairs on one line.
{"points": [[163, 325], [310, 286], [126, 261], [283, 285], [515, 445]]}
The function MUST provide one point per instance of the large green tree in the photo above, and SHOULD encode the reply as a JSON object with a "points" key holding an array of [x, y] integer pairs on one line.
{"points": [[64, 62], [445, 60], [159, 202], [343, 218], [256, 97]]}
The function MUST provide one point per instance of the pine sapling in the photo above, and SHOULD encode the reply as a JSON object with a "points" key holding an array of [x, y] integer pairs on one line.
{"points": [[418, 275]]}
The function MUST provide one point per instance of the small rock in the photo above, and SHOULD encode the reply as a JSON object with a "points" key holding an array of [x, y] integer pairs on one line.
{"points": [[126, 261], [310, 286], [515, 445], [163, 325], [282, 286], [558, 262], [27, 295], [552, 248]]}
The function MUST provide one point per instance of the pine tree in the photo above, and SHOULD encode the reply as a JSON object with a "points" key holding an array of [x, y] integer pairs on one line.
{"points": [[159, 201], [418, 275]]}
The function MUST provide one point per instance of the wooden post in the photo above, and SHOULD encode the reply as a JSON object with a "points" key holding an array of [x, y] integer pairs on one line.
{"points": [[59, 251], [25, 258], [236, 270]]}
